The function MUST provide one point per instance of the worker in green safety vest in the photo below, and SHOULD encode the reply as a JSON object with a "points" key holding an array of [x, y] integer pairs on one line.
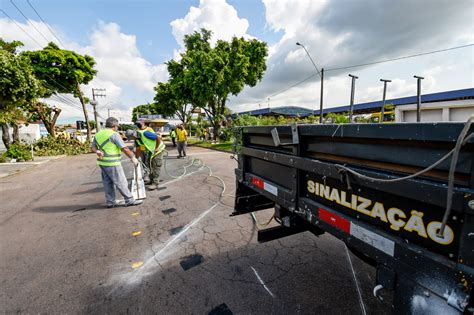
{"points": [[155, 148], [108, 145], [173, 136]]}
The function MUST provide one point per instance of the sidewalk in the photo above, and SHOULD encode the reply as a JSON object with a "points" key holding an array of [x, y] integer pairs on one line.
{"points": [[7, 169]]}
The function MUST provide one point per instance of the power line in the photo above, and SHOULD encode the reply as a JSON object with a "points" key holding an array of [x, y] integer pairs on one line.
{"points": [[64, 99], [47, 25], [32, 38], [28, 20], [400, 58], [367, 64], [293, 85]]}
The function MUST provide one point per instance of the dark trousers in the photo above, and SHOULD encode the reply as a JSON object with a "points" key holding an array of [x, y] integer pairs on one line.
{"points": [[174, 141]]}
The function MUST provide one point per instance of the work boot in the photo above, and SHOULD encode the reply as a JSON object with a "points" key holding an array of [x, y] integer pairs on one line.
{"points": [[152, 187], [111, 206], [148, 182], [134, 203]]}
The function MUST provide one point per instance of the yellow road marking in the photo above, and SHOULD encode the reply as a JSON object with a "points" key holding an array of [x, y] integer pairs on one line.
{"points": [[137, 233], [136, 265], [135, 214]]}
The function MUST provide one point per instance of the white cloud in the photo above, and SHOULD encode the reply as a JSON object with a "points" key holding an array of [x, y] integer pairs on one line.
{"points": [[10, 31], [121, 68], [215, 15], [339, 33], [119, 60]]}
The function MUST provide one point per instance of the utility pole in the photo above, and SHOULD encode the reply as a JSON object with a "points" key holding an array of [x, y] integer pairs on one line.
{"points": [[418, 97], [351, 114], [383, 101], [96, 93]]}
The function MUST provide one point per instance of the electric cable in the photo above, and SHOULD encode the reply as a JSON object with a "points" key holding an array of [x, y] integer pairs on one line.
{"points": [[47, 25], [366, 64], [40, 46], [28, 20], [21, 28], [398, 58]]}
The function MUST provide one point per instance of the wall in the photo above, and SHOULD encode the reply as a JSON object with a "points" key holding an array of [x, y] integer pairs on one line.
{"points": [[459, 110]]}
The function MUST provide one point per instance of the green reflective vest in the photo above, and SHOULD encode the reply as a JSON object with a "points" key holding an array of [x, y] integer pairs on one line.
{"points": [[110, 150], [149, 144]]}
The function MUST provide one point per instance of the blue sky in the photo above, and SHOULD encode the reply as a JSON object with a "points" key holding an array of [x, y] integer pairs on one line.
{"points": [[131, 40]]}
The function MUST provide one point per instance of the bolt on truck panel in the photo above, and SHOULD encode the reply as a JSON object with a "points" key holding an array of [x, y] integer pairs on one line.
{"points": [[329, 179]]}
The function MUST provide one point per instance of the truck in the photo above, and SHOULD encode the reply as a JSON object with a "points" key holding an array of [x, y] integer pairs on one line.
{"points": [[399, 195]]}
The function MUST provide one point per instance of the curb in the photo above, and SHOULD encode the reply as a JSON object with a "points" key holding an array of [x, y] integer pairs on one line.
{"points": [[27, 164], [214, 149]]}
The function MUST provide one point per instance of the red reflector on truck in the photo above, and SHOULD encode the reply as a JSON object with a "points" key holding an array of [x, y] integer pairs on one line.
{"points": [[335, 220], [258, 182]]}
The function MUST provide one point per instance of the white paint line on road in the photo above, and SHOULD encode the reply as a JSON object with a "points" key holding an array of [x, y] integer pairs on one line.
{"points": [[182, 177], [262, 283], [171, 241], [361, 302], [135, 276]]}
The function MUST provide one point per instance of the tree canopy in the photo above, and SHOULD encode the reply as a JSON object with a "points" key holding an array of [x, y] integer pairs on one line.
{"points": [[170, 100], [18, 84], [63, 71], [18, 88], [205, 76]]}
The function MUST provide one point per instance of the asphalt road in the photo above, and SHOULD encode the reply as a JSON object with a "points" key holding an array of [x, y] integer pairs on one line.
{"points": [[63, 252]]}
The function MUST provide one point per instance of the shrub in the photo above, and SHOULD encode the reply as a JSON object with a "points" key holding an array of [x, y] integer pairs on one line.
{"points": [[47, 146], [225, 134], [19, 151]]}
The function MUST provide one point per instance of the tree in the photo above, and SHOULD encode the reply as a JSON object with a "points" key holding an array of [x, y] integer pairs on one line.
{"points": [[205, 75], [18, 87], [62, 71], [170, 100], [145, 109]]}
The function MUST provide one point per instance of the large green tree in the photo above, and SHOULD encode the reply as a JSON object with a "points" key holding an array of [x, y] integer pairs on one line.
{"points": [[62, 71], [206, 76], [170, 100], [18, 88], [145, 109]]}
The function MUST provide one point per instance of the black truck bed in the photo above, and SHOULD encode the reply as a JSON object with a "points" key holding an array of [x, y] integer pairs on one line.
{"points": [[393, 226]]}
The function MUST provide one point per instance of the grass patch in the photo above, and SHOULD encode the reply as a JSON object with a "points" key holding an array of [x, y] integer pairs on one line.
{"points": [[222, 146]]}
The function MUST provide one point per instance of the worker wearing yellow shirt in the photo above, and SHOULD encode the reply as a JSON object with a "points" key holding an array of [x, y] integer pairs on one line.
{"points": [[181, 137]]}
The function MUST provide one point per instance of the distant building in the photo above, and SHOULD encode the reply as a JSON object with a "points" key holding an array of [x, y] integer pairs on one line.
{"points": [[286, 111], [455, 105]]}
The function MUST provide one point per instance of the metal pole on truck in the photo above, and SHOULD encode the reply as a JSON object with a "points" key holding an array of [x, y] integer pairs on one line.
{"points": [[382, 112], [321, 75], [321, 99], [418, 97], [351, 113]]}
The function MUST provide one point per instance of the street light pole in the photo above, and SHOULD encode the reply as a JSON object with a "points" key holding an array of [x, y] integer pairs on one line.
{"points": [[384, 94], [418, 97], [321, 75], [351, 113]]}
